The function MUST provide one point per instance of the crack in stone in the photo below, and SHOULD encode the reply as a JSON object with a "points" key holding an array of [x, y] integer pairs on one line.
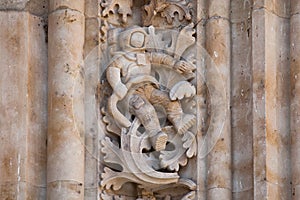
{"points": [[23, 10], [63, 8], [245, 190], [26, 182], [266, 181], [270, 11], [204, 21], [219, 188], [200, 21], [216, 17], [241, 21], [66, 181], [90, 188], [294, 14], [87, 17]]}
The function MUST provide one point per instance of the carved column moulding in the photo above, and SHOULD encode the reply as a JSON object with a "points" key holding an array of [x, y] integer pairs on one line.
{"points": [[147, 101]]}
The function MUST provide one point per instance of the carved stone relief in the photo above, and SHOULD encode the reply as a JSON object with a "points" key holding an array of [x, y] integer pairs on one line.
{"points": [[175, 12], [117, 11], [149, 106]]}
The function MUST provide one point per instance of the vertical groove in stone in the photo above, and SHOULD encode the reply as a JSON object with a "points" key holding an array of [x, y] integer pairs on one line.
{"points": [[241, 99], [259, 125], [37, 110], [65, 163], [91, 70], [295, 97], [219, 181], [201, 99], [271, 101]]}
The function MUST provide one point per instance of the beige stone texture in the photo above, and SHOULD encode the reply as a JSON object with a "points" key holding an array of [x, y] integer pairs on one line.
{"points": [[65, 168], [248, 48], [280, 8], [23, 106], [91, 61], [218, 9], [201, 93], [259, 137], [241, 100], [92, 11], [65, 190], [271, 105], [295, 97], [295, 7], [65, 64], [13, 4], [219, 182], [277, 108], [35, 7], [91, 37], [77, 5]]}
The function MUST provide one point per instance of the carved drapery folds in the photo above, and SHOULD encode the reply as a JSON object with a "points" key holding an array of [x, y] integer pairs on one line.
{"points": [[149, 106]]}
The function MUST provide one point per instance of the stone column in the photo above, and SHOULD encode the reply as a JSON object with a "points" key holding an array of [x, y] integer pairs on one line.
{"points": [[65, 164], [270, 55], [295, 96], [218, 47]]}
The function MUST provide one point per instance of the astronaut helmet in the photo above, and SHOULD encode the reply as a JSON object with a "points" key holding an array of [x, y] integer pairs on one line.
{"points": [[133, 39]]}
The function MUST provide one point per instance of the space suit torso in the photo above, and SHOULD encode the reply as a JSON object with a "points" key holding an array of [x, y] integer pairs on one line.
{"points": [[135, 68]]}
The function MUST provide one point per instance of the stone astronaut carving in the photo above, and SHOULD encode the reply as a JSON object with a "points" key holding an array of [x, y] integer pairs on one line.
{"points": [[129, 75]]}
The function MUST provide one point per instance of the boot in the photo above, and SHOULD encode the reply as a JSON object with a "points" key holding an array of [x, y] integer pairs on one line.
{"points": [[145, 112], [159, 140], [182, 122]]}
